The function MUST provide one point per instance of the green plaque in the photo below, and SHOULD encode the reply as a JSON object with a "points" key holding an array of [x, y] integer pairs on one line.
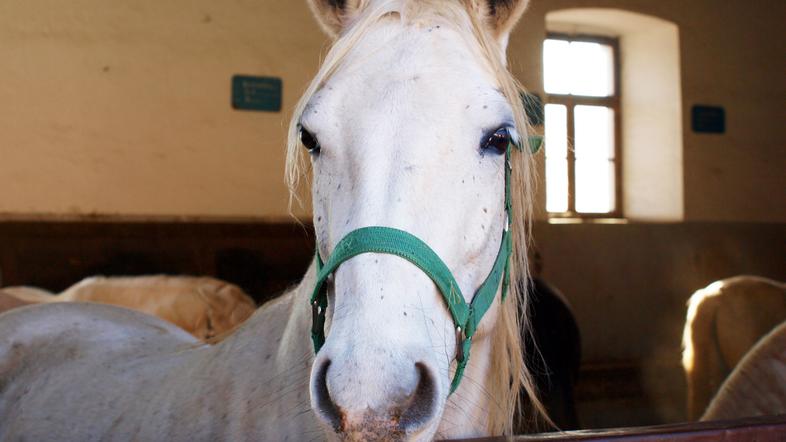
{"points": [[256, 93]]}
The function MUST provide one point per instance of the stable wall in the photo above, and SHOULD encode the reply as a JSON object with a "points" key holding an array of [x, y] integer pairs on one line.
{"points": [[123, 108], [731, 56], [111, 108]]}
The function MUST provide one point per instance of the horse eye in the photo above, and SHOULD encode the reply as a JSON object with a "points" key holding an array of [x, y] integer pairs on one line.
{"points": [[497, 142], [309, 141]]}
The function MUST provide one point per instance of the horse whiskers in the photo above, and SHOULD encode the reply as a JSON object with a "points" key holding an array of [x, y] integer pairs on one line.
{"points": [[284, 392], [286, 374], [462, 411], [485, 391], [465, 400]]}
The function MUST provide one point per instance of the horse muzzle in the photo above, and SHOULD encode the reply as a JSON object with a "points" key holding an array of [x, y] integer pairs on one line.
{"points": [[362, 403]]}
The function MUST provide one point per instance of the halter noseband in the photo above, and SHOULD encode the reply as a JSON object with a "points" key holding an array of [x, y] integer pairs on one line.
{"points": [[397, 242]]}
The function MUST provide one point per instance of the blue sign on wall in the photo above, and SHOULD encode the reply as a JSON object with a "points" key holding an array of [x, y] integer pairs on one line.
{"points": [[256, 93]]}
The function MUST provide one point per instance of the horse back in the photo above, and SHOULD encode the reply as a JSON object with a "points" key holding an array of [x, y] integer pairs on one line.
{"points": [[108, 352], [751, 307], [81, 329], [203, 306]]}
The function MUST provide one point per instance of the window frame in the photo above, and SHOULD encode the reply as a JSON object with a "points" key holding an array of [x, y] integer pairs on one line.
{"points": [[570, 102]]}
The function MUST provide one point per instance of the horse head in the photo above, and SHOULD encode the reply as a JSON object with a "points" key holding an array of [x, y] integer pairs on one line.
{"points": [[408, 126]]}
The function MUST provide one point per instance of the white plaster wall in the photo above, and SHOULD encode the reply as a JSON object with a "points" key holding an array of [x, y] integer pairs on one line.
{"points": [[730, 55], [122, 108], [651, 105]]}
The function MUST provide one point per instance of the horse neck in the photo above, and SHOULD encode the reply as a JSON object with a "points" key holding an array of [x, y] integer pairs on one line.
{"points": [[266, 363], [479, 406], [284, 320], [467, 410]]}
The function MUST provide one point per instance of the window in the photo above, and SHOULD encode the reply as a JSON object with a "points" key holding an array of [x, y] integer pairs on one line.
{"points": [[581, 80]]}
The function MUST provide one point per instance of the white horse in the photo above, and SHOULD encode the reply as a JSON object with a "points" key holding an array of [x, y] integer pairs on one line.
{"points": [[757, 386], [407, 124]]}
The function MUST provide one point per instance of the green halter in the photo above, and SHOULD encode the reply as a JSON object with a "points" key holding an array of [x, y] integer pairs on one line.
{"points": [[397, 242]]}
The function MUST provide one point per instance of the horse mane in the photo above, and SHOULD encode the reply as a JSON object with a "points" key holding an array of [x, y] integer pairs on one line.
{"points": [[511, 374]]}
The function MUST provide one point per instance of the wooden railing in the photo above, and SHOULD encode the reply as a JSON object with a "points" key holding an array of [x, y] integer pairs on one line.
{"points": [[758, 429]]}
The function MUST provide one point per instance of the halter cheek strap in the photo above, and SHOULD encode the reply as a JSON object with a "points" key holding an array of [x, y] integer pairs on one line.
{"points": [[466, 317]]}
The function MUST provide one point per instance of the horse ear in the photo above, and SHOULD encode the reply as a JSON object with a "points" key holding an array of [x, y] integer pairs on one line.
{"points": [[501, 16], [334, 15]]}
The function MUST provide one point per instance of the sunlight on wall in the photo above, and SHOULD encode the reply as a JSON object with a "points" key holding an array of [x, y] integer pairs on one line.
{"points": [[123, 108], [651, 106]]}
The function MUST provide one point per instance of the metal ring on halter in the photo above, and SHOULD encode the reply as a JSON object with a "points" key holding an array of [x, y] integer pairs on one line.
{"points": [[460, 344]]}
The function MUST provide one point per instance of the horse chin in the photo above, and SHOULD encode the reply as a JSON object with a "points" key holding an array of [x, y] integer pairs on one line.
{"points": [[373, 427]]}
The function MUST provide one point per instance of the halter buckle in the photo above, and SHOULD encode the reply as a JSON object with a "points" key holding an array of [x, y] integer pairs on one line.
{"points": [[460, 344]]}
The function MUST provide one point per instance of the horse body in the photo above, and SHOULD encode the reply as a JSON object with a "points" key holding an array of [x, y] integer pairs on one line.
{"points": [[28, 295], [9, 300], [757, 385], [410, 124], [203, 306], [725, 320], [140, 378]]}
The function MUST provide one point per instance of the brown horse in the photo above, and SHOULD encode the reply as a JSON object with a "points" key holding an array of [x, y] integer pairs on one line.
{"points": [[9, 300], [203, 306], [724, 321]]}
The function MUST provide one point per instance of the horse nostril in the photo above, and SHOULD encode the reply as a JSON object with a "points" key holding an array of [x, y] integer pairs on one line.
{"points": [[422, 403], [323, 404]]}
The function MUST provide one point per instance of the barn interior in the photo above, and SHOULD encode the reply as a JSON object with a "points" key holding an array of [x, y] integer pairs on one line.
{"points": [[124, 152]]}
